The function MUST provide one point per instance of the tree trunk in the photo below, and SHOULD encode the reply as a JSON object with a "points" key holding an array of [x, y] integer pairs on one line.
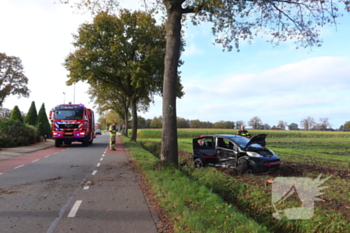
{"points": [[134, 121], [125, 128], [169, 151]]}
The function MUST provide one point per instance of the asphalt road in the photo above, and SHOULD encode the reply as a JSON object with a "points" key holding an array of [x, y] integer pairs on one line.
{"points": [[75, 189]]}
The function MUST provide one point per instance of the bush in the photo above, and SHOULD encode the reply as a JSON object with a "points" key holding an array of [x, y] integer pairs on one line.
{"points": [[15, 133]]}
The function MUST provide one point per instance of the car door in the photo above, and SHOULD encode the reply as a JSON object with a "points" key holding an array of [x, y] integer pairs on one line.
{"points": [[204, 147], [224, 150]]}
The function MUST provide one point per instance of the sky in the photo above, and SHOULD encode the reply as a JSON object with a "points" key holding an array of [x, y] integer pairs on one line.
{"points": [[271, 82]]}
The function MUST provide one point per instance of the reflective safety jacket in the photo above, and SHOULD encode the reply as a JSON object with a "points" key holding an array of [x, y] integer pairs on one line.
{"points": [[244, 133], [113, 130]]}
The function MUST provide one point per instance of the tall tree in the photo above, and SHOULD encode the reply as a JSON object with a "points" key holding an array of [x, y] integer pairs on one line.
{"points": [[293, 126], [233, 21], [12, 78], [5, 114], [346, 126], [156, 122], [307, 123], [32, 115], [16, 114], [239, 123], [282, 125], [324, 123], [106, 98], [42, 118], [267, 126], [255, 122], [124, 52], [182, 123]]}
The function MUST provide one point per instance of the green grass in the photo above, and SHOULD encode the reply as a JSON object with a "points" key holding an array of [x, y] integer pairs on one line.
{"points": [[191, 206], [306, 156]]}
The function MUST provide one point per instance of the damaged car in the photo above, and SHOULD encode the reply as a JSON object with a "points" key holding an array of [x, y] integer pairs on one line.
{"points": [[234, 151]]}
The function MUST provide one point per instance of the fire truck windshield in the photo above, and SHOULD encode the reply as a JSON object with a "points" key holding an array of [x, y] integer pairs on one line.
{"points": [[68, 114]]}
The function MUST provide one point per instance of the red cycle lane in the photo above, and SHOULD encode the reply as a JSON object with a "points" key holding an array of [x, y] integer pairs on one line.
{"points": [[119, 147], [10, 164]]}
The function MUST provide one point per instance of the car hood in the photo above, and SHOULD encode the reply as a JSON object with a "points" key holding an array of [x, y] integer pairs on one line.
{"points": [[259, 139]]}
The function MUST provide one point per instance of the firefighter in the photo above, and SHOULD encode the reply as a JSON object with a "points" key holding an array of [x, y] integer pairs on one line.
{"points": [[243, 132], [113, 132]]}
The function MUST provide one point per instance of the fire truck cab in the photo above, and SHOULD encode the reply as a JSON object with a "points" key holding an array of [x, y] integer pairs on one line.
{"points": [[72, 123]]}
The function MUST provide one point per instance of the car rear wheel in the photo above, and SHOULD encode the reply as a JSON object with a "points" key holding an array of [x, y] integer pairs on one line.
{"points": [[198, 163], [242, 166]]}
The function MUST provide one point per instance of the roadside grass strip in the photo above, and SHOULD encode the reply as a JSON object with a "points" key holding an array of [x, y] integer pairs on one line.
{"points": [[191, 206], [255, 201], [252, 194]]}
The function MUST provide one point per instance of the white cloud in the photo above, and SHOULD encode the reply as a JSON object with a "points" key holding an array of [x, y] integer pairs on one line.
{"points": [[191, 50], [313, 87]]}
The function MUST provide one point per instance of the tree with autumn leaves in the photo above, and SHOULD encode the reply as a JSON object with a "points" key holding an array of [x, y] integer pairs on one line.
{"points": [[122, 57], [12, 78], [232, 21]]}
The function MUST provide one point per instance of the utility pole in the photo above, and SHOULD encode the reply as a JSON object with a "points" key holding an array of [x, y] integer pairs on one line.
{"points": [[64, 98]]}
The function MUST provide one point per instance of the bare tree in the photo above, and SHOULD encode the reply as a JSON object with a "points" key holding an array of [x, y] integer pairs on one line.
{"points": [[324, 124], [307, 123], [239, 123], [282, 125]]}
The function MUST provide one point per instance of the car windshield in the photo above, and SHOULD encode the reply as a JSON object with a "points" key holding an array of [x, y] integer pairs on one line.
{"points": [[68, 114], [243, 141]]}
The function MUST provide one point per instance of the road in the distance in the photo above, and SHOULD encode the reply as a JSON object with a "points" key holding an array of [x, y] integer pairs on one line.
{"points": [[51, 195]]}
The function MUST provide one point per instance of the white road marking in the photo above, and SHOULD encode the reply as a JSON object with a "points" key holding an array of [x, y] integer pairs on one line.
{"points": [[101, 159], [35, 160], [94, 172], [0, 173], [46, 156], [19, 166], [103, 155], [86, 187], [74, 209], [98, 164]]}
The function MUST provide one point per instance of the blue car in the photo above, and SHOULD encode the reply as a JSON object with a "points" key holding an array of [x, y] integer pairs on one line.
{"points": [[234, 151]]}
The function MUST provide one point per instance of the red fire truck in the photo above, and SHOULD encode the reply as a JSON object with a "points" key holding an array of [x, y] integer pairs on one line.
{"points": [[72, 123]]}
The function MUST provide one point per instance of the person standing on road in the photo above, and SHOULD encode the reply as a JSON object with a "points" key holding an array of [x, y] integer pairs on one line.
{"points": [[243, 132], [113, 133]]}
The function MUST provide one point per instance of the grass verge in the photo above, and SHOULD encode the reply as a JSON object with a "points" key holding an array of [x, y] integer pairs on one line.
{"points": [[252, 195], [191, 206]]}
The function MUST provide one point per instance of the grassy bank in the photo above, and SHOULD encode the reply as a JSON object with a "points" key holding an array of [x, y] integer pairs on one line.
{"points": [[191, 206], [301, 157]]}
